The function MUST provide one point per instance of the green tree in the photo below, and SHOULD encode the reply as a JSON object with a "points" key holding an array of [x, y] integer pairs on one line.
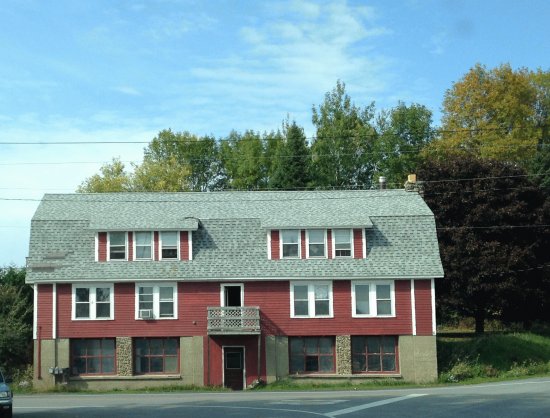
{"points": [[341, 149], [112, 178], [490, 267], [291, 166], [402, 134], [493, 114], [243, 159], [16, 313]]}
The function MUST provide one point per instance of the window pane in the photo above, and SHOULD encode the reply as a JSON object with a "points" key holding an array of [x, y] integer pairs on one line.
{"points": [[300, 292], [388, 363], [93, 365], [233, 361], [78, 348], [383, 291], [301, 307], [359, 363], [327, 363], [322, 307], [103, 294], [297, 364], [117, 238], [358, 344], [170, 346], [362, 299], [321, 292], [373, 345], [388, 345], [108, 347], [143, 252], [166, 293], [316, 250], [157, 365], [290, 236], [166, 309], [383, 307], [169, 239], [296, 345], [82, 310], [342, 236], [103, 310], [143, 238], [311, 345], [155, 346], [82, 294], [316, 235], [325, 345], [108, 365], [141, 346], [79, 366], [373, 363], [290, 250], [169, 253], [312, 363], [117, 253], [146, 291]]}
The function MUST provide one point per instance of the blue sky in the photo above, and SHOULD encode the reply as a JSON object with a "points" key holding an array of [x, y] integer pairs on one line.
{"points": [[100, 70]]}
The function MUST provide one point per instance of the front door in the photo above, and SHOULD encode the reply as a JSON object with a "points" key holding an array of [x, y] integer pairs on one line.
{"points": [[233, 367]]}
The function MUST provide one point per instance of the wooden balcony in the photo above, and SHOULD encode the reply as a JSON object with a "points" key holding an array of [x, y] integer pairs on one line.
{"points": [[233, 320]]}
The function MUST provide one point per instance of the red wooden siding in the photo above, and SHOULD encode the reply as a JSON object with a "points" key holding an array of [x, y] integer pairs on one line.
{"points": [[130, 246], [329, 243], [357, 243], [423, 303], [213, 373], [184, 245], [303, 243], [156, 245], [102, 246], [45, 306], [194, 298], [275, 245]]}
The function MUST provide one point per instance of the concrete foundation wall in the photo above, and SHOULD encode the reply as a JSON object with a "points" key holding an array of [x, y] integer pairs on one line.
{"points": [[418, 358], [277, 362], [54, 353], [192, 360]]}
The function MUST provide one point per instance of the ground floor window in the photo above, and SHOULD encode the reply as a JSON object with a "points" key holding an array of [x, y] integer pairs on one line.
{"points": [[374, 354], [156, 355], [311, 355], [93, 356]]}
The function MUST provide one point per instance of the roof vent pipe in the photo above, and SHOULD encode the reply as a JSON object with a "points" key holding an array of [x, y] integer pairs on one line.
{"points": [[382, 181]]}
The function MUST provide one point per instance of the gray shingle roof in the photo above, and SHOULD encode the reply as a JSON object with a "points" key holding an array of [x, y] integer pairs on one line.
{"points": [[231, 242]]}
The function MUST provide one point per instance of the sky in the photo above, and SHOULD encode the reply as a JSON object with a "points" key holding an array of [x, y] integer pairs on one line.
{"points": [[99, 71]]}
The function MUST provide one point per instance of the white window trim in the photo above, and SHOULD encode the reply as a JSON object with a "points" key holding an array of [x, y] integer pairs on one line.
{"points": [[413, 308], [269, 245], [190, 243], [222, 292], [54, 311], [178, 236], [96, 247], [311, 299], [364, 238], [372, 299], [299, 244], [434, 325], [134, 245], [324, 242], [92, 287], [334, 243], [35, 311], [156, 300], [125, 246]]}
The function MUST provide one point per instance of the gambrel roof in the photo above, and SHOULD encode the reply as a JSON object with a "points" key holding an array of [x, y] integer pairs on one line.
{"points": [[230, 234]]}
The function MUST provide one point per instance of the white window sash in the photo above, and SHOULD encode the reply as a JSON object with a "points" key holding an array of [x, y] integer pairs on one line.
{"points": [[324, 244], [125, 247], [178, 255], [156, 300], [281, 243], [311, 299], [92, 302], [373, 306]]}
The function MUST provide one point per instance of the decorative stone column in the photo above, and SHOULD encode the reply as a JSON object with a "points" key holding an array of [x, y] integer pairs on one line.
{"points": [[343, 354], [124, 356]]}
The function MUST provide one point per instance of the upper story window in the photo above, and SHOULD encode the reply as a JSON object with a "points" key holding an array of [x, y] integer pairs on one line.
{"points": [[316, 243], [144, 246], [92, 302], [342, 242], [290, 242], [310, 300], [117, 245], [169, 245], [371, 299], [156, 301]]}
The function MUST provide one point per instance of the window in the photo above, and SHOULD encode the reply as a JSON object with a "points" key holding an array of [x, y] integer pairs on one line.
{"points": [[316, 243], [144, 246], [290, 241], [311, 300], [342, 242], [93, 356], [117, 245], [156, 355], [371, 299], [92, 302], [311, 355], [374, 354], [156, 301], [169, 245]]}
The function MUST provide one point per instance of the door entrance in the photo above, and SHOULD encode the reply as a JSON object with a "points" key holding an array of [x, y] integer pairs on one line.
{"points": [[232, 295], [233, 368]]}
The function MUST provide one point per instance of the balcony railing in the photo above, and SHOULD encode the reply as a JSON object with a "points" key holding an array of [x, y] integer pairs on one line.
{"points": [[233, 320]]}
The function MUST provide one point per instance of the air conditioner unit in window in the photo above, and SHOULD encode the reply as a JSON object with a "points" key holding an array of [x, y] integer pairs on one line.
{"points": [[146, 313]]}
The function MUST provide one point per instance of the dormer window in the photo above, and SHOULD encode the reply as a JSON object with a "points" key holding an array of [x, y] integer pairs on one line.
{"points": [[117, 245], [144, 245], [342, 242], [290, 239], [316, 243], [169, 245]]}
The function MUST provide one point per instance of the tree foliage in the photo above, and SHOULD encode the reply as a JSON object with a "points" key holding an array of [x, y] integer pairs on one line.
{"points": [[341, 148], [491, 269], [112, 177], [16, 315]]}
